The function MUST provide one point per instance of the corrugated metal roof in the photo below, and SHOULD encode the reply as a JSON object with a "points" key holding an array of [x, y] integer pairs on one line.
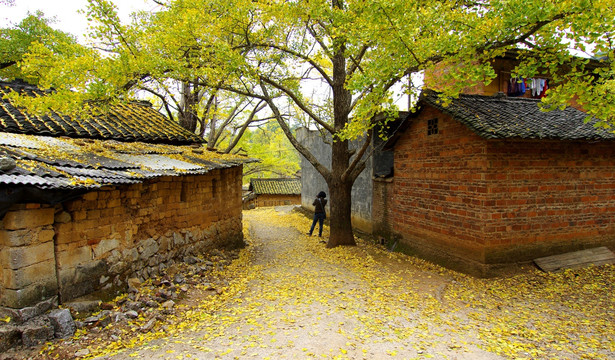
{"points": [[51, 163], [276, 186], [123, 145]]}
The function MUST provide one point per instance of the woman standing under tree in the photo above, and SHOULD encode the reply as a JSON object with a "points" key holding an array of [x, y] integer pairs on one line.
{"points": [[319, 212]]}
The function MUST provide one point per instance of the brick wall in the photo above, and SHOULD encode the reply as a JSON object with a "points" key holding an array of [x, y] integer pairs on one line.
{"points": [[548, 197], [277, 200], [439, 188], [101, 239], [381, 210], [471, 203]]}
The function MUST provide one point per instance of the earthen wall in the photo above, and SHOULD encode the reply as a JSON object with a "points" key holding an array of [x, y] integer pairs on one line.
{"points": [[98, 241], [277, 200]]}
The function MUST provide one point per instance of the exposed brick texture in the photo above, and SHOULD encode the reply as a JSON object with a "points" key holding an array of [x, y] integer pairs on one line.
{"points": [[106, 236], [457, 197], [277, 200]]}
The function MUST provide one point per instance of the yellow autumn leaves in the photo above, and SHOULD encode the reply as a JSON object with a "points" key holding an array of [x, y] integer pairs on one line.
{"points": [[287, 296]]}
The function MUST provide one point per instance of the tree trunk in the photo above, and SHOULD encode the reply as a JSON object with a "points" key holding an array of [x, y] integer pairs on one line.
{"points": [[189, 117], [340, 188], [340, 225]]}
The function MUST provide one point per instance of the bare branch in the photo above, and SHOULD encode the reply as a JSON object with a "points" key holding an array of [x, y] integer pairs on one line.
{"points": [[298, 101], [245, 126], [326, 173], [358, 163]]}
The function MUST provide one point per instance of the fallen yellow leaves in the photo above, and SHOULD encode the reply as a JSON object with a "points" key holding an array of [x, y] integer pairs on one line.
{"points": [[287, 296]]}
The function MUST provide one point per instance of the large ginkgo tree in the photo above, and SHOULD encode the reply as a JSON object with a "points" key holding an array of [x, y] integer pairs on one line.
{"points": [[333, 63]]}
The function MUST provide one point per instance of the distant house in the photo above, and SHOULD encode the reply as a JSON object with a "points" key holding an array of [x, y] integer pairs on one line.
{"points": [[275, 192], [86, 203], [492, 180]]}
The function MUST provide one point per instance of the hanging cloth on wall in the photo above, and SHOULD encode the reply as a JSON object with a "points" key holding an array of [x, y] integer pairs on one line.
{"points": [[516, 86], [538, 87]]}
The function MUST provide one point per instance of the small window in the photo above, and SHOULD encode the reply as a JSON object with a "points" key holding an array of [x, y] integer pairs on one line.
{"points": [[432, 126]]}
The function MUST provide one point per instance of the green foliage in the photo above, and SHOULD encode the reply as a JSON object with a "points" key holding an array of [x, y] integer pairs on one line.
{"points": [[277, 155], [332, 64], [33, 34]]}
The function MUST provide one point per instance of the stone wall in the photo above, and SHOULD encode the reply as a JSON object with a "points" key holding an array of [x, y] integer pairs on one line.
{"points": [[477, 204], [312, 182], [98, 241]]}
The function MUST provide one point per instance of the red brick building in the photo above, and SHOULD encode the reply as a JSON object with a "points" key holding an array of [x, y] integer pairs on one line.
{"points": [[491, 180]]}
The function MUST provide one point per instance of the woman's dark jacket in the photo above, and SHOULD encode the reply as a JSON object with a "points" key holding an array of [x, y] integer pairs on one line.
{"points": [[319, 205]]}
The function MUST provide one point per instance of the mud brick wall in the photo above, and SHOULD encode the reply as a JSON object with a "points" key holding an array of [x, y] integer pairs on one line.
{"points": [[100, 240], [27, 261], [277, 200], [475, 204]]}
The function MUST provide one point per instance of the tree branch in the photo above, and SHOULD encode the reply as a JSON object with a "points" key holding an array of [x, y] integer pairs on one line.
{"points": [[358, 164], [326, 173], [298, 101]]}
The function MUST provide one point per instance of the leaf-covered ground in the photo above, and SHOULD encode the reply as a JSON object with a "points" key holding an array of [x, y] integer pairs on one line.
{"points": [[288, 297]]}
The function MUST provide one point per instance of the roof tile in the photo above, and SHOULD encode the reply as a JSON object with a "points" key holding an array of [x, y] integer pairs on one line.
{"points": [[276, 186], [504, 117], [125, 122]]}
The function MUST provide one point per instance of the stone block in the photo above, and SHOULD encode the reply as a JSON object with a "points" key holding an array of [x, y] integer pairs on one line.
{"points": [[29, 312], [118, 267], [178, 240], [63, 217], [27, 219], [147, 248], [10, 337], [81, 280], [46, 235], [130, 255], [30, 295], [17, 237], [63, 323], [36, 332], [84, 307], [19, 257], [75, 256], [79, 215], [105, 246], [90, 196], [20, 278]]}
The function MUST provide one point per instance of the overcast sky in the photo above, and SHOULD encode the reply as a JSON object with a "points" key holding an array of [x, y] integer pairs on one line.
{"points": [[65, 12]]}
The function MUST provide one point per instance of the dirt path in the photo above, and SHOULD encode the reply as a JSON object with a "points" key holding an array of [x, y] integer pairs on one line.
{"points": [[285, 296], [298, 300]]}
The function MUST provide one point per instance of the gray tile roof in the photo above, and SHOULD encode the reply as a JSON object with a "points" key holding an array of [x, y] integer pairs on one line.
{"points": [[127, 145], [504, 117], [135, 121], [276, 186]]}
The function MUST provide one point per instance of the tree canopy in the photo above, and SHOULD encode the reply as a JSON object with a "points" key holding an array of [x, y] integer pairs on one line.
{"points": [[34, 31], [333, 63]]}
